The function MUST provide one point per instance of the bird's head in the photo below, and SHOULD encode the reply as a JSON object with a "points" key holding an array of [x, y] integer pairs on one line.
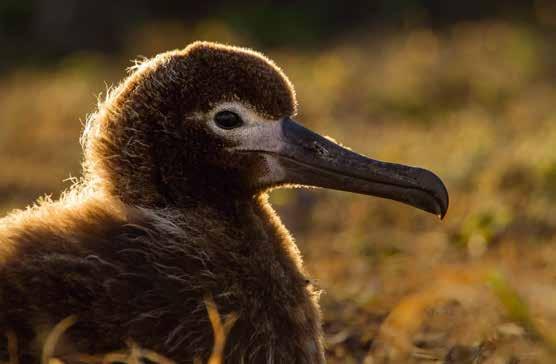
{"points": [[213, 123]]}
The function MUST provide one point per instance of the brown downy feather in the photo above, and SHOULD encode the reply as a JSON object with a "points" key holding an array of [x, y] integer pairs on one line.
{"points": [[161, 219]]}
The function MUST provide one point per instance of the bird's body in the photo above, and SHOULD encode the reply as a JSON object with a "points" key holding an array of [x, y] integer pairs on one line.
{"points": [[172, 209], [135, 273]]}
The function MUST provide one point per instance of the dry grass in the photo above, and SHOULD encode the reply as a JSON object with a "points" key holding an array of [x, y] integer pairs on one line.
{"points": [[474, 103], [134, 354]]}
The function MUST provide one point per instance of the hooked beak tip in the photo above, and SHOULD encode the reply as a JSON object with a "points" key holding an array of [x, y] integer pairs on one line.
{"points": [[442, 207], [438, 194]]}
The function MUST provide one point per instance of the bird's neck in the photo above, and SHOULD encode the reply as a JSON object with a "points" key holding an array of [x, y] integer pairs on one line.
{"points": [[254, 224]]}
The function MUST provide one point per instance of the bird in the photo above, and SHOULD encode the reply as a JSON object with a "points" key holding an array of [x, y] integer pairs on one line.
{"points": [[172, 207]]}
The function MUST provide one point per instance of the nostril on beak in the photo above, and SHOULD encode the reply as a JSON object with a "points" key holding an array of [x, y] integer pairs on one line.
{"points": [[320, 150]]}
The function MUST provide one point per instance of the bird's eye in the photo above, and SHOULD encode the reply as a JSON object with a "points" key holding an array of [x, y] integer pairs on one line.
{"points": [[228, 120]]}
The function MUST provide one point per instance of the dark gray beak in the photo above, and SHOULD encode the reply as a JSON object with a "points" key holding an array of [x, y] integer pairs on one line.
{"points": [[306, 158]]}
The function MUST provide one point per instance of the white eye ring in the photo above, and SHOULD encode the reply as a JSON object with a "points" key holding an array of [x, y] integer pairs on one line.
{"points": [[226, 119]]}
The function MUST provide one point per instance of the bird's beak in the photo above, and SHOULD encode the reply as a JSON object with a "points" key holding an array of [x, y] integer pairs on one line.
{"points": [[300, 156]]}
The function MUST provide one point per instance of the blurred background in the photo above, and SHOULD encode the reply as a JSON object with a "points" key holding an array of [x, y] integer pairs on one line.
{"points": [[466, 89]]}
